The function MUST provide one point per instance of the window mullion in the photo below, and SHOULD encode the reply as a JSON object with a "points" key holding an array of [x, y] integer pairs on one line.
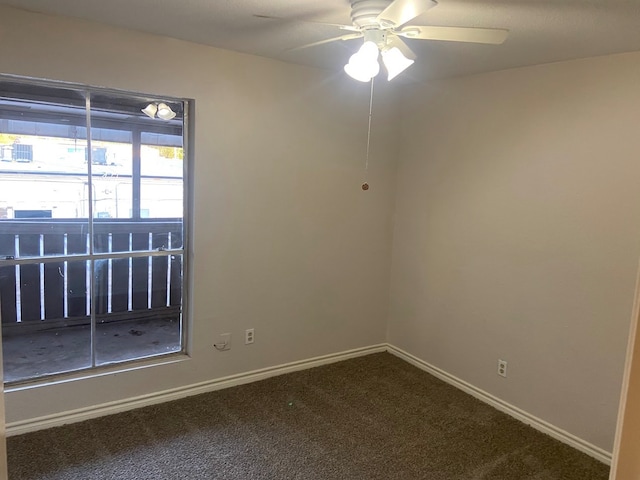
{"points": [[91, 262]]}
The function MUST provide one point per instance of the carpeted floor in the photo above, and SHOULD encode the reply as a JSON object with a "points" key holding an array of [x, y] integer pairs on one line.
{"points": [[370, 418]]}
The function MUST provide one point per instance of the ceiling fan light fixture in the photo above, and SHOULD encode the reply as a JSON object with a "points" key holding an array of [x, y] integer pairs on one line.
{"points": [[150, 110], [363, 65], [395, 62], [165, 112], [362, 72]]}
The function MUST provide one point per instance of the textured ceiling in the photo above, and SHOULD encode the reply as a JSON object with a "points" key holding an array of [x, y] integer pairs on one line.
{"points": [[541, 31]]}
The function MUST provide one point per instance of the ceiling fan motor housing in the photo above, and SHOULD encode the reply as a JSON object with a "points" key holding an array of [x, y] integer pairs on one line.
{"points": [[377, 36], [364, 13]]}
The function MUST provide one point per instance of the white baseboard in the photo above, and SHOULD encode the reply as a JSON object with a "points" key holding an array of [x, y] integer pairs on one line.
{"points": [[535, 422], [79, 415]]}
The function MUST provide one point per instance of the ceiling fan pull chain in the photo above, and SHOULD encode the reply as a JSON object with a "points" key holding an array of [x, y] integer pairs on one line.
{"points": [[365, 185]]}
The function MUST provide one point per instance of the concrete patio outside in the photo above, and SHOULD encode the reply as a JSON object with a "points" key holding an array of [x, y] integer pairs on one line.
{"points": [[64, 349]]}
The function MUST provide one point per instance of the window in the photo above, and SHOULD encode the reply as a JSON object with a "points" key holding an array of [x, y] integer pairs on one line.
{"points": [[92, 236]]}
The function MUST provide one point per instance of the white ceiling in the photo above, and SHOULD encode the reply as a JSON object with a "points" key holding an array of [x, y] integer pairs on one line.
{"points": [[542, 31]]}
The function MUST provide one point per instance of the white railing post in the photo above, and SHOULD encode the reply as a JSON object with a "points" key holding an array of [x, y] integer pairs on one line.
{"points": [[16, 248]]}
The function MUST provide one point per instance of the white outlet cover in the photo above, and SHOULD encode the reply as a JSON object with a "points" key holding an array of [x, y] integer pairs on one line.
{"points": [[248, 336]]}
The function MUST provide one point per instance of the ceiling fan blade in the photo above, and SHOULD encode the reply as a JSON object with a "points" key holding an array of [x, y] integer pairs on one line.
{"points": [[400, 12], [350, 36], [494, 36], [350, 28]]}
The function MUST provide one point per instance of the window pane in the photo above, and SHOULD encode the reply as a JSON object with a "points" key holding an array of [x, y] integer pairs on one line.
{"points": [[135, 181], [115, 194], [161, 198], [138, 307], [111, 173], [43, 173], [163, 161], [45, 319], [162, 167]]}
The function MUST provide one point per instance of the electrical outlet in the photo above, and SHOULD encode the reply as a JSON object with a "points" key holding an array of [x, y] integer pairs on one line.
{"points": [[502, 368], [224, 342], [248, 336]]}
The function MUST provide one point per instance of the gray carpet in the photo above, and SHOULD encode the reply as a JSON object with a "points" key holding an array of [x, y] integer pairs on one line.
{"points": [[374, 417]]}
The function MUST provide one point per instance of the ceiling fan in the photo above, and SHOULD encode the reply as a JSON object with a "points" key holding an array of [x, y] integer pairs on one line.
{"points": [[383, 25]]}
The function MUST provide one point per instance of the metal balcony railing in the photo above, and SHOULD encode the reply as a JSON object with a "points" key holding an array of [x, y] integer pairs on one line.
{"points": [[46, 270]]}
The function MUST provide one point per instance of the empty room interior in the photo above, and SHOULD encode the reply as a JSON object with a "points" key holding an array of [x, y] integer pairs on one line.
{"points": [[473, 223]]}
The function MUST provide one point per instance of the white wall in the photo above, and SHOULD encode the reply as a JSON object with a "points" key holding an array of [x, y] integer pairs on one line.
{"points": [[518, 221], [285, 240]]}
